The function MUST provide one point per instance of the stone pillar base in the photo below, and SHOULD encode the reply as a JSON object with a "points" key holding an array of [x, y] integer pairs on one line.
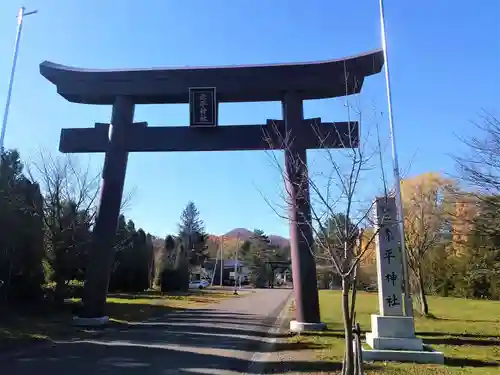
{"points": [[393, 343], [393, 332], [393, 339], [90, 322], [297, 327], [425, 356]]}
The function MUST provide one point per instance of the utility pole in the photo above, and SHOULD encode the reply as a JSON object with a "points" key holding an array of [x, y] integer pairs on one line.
{"points": [[221, 260], [20, 17], [215, 267], [236, 265]]}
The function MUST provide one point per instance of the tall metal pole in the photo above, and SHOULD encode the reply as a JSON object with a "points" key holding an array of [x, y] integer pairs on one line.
{"points": [[221, 260], [408, 305], [215, 268], [236, 264], [20, 17]]}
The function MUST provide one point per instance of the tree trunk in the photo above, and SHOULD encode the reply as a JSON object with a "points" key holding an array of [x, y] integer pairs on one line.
{"points": [[354, 291], [348, 365], [159, 266], [424, 307], [151, 271], [60, 291], [8, 282]]}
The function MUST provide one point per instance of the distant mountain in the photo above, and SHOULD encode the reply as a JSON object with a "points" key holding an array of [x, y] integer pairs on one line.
{"points": [[232, 235], [245, 234]]}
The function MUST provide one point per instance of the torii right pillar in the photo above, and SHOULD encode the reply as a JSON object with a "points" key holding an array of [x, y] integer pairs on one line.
{"points": [[307, 314]]}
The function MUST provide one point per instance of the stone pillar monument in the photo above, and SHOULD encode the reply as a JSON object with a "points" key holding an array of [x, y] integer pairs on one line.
{"points": [[393, 334]]}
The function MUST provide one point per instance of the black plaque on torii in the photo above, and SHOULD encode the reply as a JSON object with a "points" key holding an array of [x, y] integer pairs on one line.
{"points": [[290, 84], [203, 106]]}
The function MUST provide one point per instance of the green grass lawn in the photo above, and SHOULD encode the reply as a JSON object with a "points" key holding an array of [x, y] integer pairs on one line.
{"points": [[24, 325], [466, 331]]}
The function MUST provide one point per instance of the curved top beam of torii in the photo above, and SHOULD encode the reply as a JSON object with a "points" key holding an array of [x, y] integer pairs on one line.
{"points": [[244, 83]]}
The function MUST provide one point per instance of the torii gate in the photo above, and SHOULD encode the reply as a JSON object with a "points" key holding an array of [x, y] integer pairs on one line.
{"points": [[290, 84]]}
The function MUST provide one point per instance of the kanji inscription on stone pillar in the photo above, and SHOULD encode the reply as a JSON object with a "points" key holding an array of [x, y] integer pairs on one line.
{"points": [[389, 265]]}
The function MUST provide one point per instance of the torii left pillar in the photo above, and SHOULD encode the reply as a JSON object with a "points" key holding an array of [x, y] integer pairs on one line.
{"points": [[112, 184]]}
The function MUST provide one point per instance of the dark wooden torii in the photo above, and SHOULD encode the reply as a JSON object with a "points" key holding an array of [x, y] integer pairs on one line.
{"points": [[290, 84]]}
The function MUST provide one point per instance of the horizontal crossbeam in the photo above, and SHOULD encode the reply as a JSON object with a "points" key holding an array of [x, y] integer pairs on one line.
{"points": [[246, 83], [140, 138]]}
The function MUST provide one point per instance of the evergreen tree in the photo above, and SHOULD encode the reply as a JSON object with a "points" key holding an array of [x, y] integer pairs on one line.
{"points": [[257, 252], [21, 237], [169, 251], [192, 236], [151, 259], [133, 258]]}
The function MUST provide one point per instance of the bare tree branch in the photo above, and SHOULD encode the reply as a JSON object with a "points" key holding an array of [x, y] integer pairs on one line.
{"points": [[338, 216]]}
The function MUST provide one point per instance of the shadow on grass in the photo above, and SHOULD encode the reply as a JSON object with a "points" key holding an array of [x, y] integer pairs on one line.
{"points": [[327, 333], [171, 295], [469, 362], [438, 338], [467, 335], [438, 318], [321, 367], [127, 296], [138, 311], [25, 324], [459, 341]]}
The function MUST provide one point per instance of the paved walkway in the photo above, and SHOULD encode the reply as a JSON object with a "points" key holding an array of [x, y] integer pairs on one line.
{"points": [[222, 339]]}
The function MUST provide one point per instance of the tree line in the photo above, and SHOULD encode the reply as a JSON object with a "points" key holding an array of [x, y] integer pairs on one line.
{"points": [[451, 225], [47, 214], [47, 224], [452, 241]]}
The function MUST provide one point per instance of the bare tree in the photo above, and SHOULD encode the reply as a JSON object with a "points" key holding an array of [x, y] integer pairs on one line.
{"points": [[62, 180], [480, 168], [70, 199], [69, 207], [339, 215]]}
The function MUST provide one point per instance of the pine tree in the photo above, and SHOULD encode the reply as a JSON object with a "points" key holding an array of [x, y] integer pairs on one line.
{"points": [[192, 235]]}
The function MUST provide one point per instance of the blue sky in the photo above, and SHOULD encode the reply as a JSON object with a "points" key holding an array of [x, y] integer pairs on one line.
{"points": [[445, 67]]}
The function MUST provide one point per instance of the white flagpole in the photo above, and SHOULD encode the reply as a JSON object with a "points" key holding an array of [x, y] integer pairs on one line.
{"points": [[408, 305], [20, 17]]}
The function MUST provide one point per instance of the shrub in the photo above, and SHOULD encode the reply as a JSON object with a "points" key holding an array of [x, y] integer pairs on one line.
{"points": [[174, 279]]}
